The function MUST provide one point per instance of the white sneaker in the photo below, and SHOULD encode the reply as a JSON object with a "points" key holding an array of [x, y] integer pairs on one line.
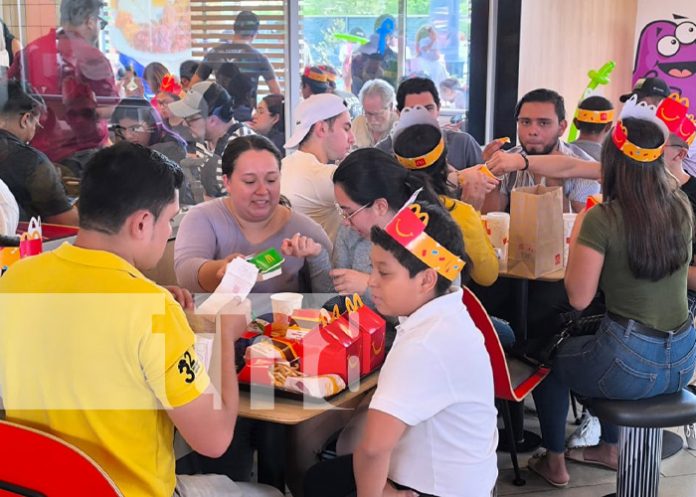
{"points": [[587, 434]]}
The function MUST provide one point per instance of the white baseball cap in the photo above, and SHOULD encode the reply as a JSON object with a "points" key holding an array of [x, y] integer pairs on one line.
{"points": [[312, 110]]}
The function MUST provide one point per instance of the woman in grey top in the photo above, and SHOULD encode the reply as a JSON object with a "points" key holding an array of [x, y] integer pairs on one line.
{"points": [[248, 221]]}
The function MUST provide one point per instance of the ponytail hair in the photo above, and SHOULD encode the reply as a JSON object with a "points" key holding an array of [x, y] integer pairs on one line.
{"points": [[368, 174]]}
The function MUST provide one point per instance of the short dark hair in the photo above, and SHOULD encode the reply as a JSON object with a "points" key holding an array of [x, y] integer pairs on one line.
{"points": [[545, 96], [330, 121], [594, 102], [123, 179], [443, 229], [418, 140], [413, 86], [187, 69], [246, 23], [369, 173], [18, 98], [242, 144], [76, 12]]}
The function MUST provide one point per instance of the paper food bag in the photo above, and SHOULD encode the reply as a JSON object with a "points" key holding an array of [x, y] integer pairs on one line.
{"points": [[536, 231]]}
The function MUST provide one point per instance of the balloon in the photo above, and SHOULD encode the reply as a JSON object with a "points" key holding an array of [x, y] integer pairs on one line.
{"points": [[600, 77], [350, 38]]}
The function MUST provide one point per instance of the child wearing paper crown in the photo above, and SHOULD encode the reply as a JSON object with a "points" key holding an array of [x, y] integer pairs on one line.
{"points": [[431, 426], [420, 146]]}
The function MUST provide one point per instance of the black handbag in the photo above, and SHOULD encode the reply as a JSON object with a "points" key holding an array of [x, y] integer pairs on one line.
{"points": [[575, 324]]}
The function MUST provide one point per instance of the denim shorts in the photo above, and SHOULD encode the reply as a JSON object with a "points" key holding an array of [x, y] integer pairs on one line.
{"points": [[619, 363]]}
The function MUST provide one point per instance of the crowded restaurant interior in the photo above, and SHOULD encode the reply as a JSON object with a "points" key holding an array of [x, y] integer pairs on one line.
{"points": [[262, 248]]}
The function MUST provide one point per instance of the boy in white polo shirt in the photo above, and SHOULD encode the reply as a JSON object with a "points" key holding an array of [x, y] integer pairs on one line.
{"points": [[431, 426]]}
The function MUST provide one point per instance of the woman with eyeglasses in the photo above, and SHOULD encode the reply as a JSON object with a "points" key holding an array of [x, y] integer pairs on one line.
{"points": [[269, 120], [370, 187], [136, 121]]}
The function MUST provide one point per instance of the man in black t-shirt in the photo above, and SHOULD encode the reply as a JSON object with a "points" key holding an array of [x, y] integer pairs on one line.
{"points": [[239, 52], [28, 173]]}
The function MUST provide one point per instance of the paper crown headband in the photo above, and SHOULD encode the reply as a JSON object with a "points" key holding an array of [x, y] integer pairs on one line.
{"points": [[639, 110], [410, 116], [170, 85], [407, 228], [315, 74], [594, 116], [673, 112]]}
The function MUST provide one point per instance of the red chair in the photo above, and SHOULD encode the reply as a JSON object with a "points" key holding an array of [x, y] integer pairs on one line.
{"points": [[513, 378], [37, 464]]}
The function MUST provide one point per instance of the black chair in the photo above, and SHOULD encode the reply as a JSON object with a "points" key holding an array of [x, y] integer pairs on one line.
{"points": [[640, 436]]}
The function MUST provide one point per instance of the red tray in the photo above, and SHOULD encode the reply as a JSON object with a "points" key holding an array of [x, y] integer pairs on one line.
{"points": [[50, 231]]}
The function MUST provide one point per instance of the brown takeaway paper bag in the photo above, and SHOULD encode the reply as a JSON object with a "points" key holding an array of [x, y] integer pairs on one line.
{"points": [[536, 231]]}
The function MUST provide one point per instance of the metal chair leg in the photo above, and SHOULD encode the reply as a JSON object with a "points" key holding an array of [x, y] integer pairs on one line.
{"points": [[507, 420]]}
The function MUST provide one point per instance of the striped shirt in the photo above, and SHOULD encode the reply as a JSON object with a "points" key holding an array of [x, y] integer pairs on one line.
{"points": [[211, 172]]}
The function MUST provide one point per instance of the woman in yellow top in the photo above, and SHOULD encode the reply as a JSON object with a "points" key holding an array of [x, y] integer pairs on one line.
{"points": [[420, 146]]}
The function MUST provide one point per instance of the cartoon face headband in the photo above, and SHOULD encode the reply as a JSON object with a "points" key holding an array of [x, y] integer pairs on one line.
{"points": [[639, 110], [407, 228], [673, 112], [411, 116]]}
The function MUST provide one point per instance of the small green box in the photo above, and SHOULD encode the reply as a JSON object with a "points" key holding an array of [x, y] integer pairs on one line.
{"points": [[267, 261]]}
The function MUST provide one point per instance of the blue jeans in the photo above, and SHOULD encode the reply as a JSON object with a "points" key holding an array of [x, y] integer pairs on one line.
{"points": [[505, 333], [614, 363]]}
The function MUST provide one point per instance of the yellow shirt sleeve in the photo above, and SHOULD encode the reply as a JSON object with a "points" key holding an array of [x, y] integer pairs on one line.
{"points": [[476, 243], [172, 368]]}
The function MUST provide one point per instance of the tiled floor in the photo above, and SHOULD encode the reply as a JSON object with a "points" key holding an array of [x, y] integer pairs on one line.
{"points": [[678, 474]]}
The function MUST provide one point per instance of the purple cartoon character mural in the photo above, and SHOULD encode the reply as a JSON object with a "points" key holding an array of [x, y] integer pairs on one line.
{"points": [[667, 50]]}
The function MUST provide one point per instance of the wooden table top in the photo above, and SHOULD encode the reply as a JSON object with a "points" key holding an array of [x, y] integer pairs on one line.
{"points": [[275, 409]]}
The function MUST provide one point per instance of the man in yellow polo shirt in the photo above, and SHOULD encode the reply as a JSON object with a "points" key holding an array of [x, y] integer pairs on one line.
{"points": [[98, 355]]}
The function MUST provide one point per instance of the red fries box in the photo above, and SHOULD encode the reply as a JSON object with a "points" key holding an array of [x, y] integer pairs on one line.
{"points": [[349, 345]]}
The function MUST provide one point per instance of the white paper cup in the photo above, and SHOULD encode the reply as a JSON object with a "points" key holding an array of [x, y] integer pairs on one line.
{"points": [[497, 226], [568, 223], [284, 303]]}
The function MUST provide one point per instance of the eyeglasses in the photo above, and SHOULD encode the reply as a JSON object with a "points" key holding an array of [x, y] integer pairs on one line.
{"points": [[348, 217], [103, 23], [121, 131], [375, 115], [192, 119]]}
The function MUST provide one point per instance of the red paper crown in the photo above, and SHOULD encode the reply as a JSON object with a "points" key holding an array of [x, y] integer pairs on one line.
{"points": [[408, 229], [315, 74], [673, 112], [170, 85]]}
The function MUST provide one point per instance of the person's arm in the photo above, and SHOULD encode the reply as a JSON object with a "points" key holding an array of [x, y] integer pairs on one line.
{"points": [[691, 278], [274, 87], [314, 246], [194, 252], [475, 186], [207, 424], [552, 166], [477, 244], [16, 46], [47, 194], [68, 218], [583, 270], [372, 456]]}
